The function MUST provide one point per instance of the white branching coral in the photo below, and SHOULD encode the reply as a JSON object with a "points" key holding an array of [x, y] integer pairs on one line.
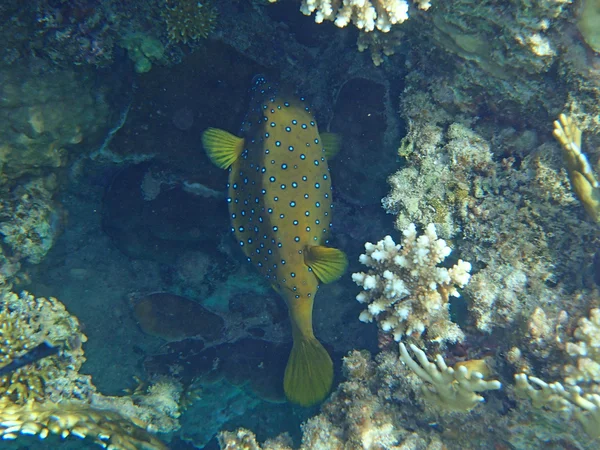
{"points": [[579, 395], [452, 389], [584, 407], [406, 291], [365, 14]]}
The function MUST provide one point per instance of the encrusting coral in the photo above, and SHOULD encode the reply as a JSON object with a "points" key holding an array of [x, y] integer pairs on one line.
{"points": [[30, 221], [406, 291], [453, 389], [582, 178]]}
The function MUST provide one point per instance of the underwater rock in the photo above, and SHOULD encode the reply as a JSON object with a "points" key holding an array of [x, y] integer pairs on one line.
{"points": [[47, 116], [173, 318], [254, 364], [362, 117], [160, 220]]}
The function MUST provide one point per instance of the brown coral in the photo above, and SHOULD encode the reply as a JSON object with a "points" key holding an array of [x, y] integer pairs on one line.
{"points": [[189, 20]]}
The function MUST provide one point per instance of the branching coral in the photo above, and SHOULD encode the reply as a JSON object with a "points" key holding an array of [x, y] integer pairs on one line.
{"points": [[189, 20], [582, 178], [584, 407], [406, 291], [453, 389], [366, 15], [379, 44]]}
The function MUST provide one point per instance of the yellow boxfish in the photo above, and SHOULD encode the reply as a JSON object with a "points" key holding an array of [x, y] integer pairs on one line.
{"points": [[280, 205]]}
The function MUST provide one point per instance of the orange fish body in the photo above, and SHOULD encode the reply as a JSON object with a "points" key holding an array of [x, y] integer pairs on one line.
{"points": [[280, 204]]}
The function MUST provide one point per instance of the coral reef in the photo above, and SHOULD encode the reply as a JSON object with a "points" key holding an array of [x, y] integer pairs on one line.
{"points": [[479, 85], [50, 396], [372, 409], [48, 118], [405, 290], [505, 195], [379, 44], [375, 19], [245, 439], [30, 219], [578, 395]]}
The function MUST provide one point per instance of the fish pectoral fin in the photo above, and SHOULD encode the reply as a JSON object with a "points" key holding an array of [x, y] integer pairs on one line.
{"points": [[222, 147], [328, 264], [332, 142]]}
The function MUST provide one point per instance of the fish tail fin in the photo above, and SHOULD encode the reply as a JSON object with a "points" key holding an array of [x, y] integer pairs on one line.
{"points": [[222, 147], [328, 264], [309, 372]]}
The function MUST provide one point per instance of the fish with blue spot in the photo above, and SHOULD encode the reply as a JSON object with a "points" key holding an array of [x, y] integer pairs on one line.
{"points": [[280, 203]]}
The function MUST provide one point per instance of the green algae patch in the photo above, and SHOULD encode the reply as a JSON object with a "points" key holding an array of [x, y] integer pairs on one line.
{"points": [[589, 24]]}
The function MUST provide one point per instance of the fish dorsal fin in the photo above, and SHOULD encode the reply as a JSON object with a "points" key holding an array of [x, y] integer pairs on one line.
{"points": [[222, 147], [332, 143], [328, 264]]}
